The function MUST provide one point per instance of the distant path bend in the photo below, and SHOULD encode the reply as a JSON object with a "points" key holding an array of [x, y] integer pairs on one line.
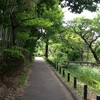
{"points": [[44, 85]]}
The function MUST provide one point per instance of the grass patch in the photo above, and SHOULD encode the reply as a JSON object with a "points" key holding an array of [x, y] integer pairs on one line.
{"points": [[79, 91], [24, 76], [87, 75], [22, 79]]}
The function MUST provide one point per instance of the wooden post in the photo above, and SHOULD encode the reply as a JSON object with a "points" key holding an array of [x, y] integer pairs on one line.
{"points": [[98, 97], [57, 66], [68, 77], [63, 72], [75, 82], [50, 62], [85, 92], [53, 64], [59, 70]]}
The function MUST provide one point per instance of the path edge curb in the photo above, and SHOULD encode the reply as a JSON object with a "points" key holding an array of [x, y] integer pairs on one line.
{"points": [[72, 94]]}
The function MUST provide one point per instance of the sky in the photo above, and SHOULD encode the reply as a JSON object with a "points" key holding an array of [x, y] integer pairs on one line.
{"points": [[69, 16]]}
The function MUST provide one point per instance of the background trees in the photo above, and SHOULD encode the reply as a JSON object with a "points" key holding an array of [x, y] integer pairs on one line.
{"points": [[77, 6], [88, 30]]}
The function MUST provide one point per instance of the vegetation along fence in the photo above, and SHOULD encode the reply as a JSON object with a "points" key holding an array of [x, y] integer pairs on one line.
{"points": [[81, 63], [61, 70]]}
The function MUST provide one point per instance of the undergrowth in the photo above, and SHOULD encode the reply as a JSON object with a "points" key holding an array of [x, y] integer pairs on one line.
{"points": [[87, 75]]}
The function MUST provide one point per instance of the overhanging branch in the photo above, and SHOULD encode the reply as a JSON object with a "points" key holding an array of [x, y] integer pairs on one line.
{"points": [[94, 40], [27, 19]]}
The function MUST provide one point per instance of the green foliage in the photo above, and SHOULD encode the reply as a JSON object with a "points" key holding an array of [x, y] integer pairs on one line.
{"points": [[30, 43], [25, 52], [24, 75], [88, 30], [97, 48], [87, 75], [66, 46], [78, 6], [22, 36], [73, 55], [40, 22], [12, 55], [12, 62], [98, 51]]}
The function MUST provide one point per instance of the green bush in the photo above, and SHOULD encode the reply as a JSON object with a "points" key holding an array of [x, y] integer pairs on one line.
{"points": [[73, 55], [25, 52], [98, 51], [12, 62]]}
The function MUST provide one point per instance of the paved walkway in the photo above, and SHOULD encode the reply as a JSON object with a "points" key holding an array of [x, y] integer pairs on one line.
{"points": [[44, 85]]}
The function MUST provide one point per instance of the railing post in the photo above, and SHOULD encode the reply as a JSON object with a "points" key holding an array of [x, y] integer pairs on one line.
{"points": [[98, 97], [68, 77], [75, 82], [63, 72], [57, 66], [85, 92], [59, 70], [54, 65], [51, 63]]}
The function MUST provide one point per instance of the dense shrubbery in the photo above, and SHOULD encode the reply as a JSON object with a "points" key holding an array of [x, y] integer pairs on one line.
{"points": [[98, 51], [13, 61], [25, 52], [73, 55]]}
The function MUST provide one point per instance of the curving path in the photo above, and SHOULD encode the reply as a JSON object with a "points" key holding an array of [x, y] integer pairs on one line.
{"points": [[44, 85]]}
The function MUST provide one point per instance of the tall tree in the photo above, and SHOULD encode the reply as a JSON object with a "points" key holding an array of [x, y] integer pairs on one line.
{"points": [[88, 30], [55, 15]]}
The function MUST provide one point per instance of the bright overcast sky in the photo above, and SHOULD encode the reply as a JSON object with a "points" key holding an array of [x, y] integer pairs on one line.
{"points": [[69, 16]]}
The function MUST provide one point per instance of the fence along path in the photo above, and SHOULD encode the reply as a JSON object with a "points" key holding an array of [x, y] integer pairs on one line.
{"points": [[61, 70], [81, 63]]}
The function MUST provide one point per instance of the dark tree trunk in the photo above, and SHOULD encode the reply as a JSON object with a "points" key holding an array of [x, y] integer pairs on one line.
{"points": [[91, 49], [81, 55], [94, 54], [46, 48], [13, 27], [13, 36]]}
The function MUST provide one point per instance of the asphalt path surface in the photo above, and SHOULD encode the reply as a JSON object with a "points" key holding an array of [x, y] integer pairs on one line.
{"points": [[44, 84]]}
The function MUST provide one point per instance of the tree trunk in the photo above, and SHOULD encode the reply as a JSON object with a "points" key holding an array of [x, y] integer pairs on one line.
{"points": [[13, 36], [81, 57], [46, 48], [87, 53], [94, 54], [91, 49], [13, 30]]}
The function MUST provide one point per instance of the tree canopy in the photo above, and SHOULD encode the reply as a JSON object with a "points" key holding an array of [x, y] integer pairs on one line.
{"points": [[77, 6], [24, 22]]}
